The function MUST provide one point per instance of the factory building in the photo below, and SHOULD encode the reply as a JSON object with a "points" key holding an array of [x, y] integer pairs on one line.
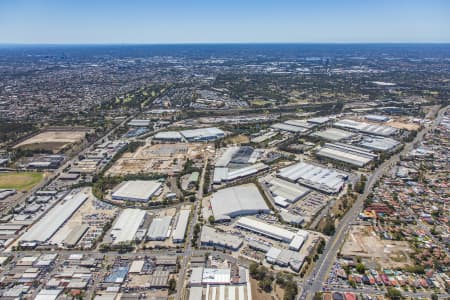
{"points": [[333, 134], [287, 191], [137, 190], [127, 224], [314, 176], [285, 258], [212, 238], [366, 127], [203, 134], [289, 128], [377, 118], [181, 226], [238, 201], [159, 230], [380, 144], [139, 123], [226, 174], [51, 222], [346, 154], [168, 136]]}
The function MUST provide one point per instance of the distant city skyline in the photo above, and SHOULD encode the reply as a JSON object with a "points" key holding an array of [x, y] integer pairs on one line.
{"points": [[178, 22]]}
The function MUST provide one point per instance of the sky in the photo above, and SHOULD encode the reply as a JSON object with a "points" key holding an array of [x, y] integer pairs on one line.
{"points": [[224, 21]]}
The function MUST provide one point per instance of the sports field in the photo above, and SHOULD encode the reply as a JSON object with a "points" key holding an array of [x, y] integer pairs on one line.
{"points": [[21, 181]]}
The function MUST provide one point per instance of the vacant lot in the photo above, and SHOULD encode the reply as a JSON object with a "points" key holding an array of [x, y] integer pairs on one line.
{"points": [[52, 140], [363, 242], [21, 181]]}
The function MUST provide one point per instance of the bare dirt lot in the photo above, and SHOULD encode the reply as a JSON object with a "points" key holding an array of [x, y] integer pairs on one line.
{"points": [[52, 140], [363, 242], [158, 158], [403, 125]]}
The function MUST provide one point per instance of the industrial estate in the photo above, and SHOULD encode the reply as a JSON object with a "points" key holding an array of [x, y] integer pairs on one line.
{"points": [[230, 178]]}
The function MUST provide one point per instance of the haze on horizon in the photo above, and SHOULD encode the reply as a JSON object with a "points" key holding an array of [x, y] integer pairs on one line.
{"points": [[201, 21]]}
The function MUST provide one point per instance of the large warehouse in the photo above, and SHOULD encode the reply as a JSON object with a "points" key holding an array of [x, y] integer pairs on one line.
{"points": [[366, 127], [334, 134], [159, 230], [203, 134], [180, 229], [288, 191], [347, 154], [126, 225], [226, 174], [136, 190], [46, 227], [314, 176], [376, 143], [237, 201]]}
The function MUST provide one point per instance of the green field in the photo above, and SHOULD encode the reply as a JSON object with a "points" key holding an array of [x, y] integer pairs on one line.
{"points": [[21, 181]]}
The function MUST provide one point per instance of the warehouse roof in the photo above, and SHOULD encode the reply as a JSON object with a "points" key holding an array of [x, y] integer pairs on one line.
{"points": [[216, 276], [180, 229], [333, 134], [168, 135], [203, 133], [314, 176], [366, 127], [379, 143], [300, 123], [211, 236], [159, 229], [46, 227], [226, 174], [272, 231], [226, 156], [288, 190], [139, 122], [127, 224], [140, 190], [237, 200], [347, 153], [290, 128]]}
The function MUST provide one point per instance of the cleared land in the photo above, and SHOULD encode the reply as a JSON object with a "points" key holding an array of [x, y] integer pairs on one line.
{"points": [[363, 242], [21, 181], [159, 158], [52, 140]]}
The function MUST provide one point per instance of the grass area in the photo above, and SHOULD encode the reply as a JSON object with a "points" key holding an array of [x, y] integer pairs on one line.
{"points": [[21, 181]]}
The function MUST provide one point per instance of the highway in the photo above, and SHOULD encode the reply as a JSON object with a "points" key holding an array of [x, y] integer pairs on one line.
{"points": [[314, 282]]}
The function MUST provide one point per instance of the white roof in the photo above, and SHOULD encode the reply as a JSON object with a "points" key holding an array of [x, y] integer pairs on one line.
{"points": [[180, 229], [226, 156], [46, 227], [287, 127], [334, 134], [136, 266], [139, 122], [202, 133], [168, 135], [48, 294], [287, 190], [140, 190], [314, 176], [366, 127], [346, 153], [159, 229], [379, 143], [216, 276], [238, 200], [266, 229], [127, 224], [226, 174]]}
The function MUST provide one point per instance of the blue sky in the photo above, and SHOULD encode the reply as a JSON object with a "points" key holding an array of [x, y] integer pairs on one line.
{"points": [[214, 21]]}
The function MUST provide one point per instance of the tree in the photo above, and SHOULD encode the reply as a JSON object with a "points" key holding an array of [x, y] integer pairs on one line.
{"points": [[211, 219], [265, 285], [172, 285], [393, 293], [360, 268]]}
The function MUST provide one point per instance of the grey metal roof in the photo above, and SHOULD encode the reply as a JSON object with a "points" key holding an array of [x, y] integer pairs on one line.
{"points": [[136, 190], [159, 229], [127, 224]]}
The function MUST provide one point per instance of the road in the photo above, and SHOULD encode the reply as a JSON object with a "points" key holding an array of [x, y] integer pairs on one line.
{"points": [[314, 282], [193, 222]]}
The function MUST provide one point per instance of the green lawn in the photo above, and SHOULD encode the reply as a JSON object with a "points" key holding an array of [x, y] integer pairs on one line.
{"points": [[21, 181]]}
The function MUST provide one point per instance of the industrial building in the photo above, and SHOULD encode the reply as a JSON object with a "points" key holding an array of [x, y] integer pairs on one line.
{"points": [[75, 236], [381, 144], [159, 230], [347, 154], [366, 127], [208, 276], [51, 222], [287, 191], [289, 128], [377, 118], [212, 238], [5, 193], [301, 123], [139, 123], [180, 229], [136, 190], [127, 224], [237, 201], [269, 230], [203, 134], [314, 176], [168, 136], [333, 134], [285, 258], [222, 174]]}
